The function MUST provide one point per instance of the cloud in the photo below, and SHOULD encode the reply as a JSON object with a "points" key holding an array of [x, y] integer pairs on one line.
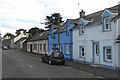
{"points": [[15, 14]]}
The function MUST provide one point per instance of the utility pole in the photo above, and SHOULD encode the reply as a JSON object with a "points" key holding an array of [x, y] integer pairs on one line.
{"points": [[58, 33]]}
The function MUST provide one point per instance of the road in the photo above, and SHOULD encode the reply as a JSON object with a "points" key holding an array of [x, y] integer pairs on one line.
{"points": [[19, 64]]}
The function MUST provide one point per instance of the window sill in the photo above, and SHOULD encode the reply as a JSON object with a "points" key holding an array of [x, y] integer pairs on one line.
{"points": [[82, 57], [107, 30], [108, 61], [81, 34], [67, 54]]}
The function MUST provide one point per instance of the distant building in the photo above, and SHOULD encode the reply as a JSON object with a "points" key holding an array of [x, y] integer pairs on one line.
{"points": [[17, 41], [38, 43], [7, 41]]}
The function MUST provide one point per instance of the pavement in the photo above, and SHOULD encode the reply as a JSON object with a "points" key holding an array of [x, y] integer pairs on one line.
{"points": [[103, 72]]}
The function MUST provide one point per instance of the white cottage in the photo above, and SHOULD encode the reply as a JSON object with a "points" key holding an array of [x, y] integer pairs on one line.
{"points": [[94, 38], [38, 43]]}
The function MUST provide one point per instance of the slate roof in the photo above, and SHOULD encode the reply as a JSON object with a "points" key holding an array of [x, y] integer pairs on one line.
{"points": [[96, 17], [62, 26], [40, 36], [73, 20]]}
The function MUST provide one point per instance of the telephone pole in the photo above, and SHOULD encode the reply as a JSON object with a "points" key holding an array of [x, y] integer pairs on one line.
{"points": [[58, 33]]}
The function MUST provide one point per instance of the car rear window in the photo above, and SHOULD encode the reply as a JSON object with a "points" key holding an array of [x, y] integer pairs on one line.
{"points": [[57, 54]]}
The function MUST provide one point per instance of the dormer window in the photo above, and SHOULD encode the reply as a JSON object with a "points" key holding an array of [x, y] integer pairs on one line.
{"points": [[67, 30], [53, 36], [107, 22], [81, 29]]}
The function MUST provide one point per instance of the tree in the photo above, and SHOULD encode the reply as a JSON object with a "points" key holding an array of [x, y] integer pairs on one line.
{"points": [[19, 31], [9, 35], [34, 30], [54, 20]]}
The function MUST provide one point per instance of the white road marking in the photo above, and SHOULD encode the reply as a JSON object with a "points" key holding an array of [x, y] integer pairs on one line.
{"points": [[100, 77], [30, 66], [91, 74]]}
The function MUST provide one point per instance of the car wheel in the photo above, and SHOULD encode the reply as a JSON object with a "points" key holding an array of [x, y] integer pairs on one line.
{"points": [[50, 62], [63, 63]]}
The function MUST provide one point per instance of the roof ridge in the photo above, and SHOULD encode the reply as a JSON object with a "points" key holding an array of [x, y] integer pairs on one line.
{"points": [[110, 8]]}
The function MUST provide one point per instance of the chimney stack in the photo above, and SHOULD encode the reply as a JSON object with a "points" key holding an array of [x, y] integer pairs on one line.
{"points": [[82, 13]]}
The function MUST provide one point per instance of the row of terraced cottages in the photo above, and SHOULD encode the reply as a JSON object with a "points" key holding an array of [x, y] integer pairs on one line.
{"points": [[91, 39]]}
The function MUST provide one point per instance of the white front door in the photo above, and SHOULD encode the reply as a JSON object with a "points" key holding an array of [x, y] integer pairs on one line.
{"points": [[96, 53]]}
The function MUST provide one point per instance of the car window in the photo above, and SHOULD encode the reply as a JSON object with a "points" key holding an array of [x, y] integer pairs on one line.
{"points": [[58, 54]]}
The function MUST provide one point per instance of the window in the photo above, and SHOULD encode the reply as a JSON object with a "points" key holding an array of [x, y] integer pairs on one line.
{"points": [[44, 47], [40, 47], [107, 23], [28, 46], [67, 48], [53, 36], [35, 46], [60, 47], [81, 52], [67, 30], [81, 29], [107, 53]]}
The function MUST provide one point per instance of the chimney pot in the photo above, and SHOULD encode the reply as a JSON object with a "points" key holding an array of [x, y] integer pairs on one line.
{"points": [[82, 13]]}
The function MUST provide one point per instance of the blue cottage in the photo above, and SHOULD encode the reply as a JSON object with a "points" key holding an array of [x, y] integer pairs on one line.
{"points": [[66, 43]]}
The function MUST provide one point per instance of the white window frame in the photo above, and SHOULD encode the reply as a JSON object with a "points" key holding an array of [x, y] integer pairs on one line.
{"points": [[67, 49], [106, 54], [81, 29], [35, 46], [107, 22], [40, 47]]}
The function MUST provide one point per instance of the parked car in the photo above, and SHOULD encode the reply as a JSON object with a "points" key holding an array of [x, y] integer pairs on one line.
{"points": [[53, 58]]}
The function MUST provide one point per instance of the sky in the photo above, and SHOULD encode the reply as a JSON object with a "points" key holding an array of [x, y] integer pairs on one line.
{"points": [[25, 14]]}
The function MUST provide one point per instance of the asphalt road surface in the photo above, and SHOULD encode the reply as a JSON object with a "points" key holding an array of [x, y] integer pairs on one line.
{"points": [[19, 64]]}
